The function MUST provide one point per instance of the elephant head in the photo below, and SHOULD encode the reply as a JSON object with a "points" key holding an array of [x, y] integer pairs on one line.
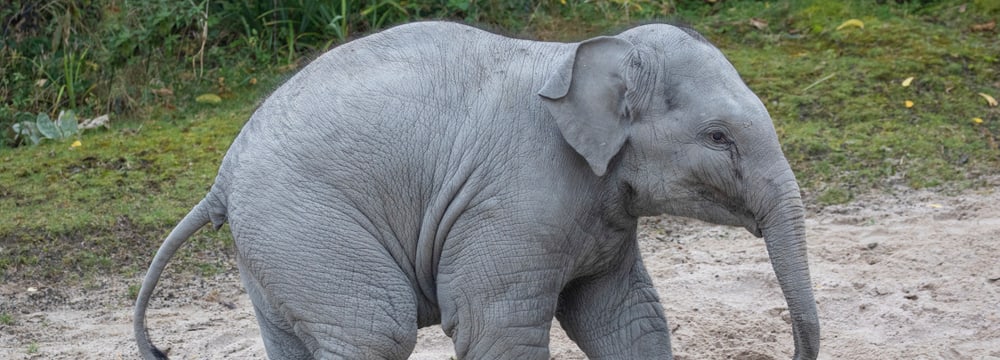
{"points": [[660, 113]]}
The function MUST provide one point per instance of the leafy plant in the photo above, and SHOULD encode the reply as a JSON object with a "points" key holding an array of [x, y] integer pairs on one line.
{"points": [[132, 292], [6, 319], [43, 127], [72, 69]]}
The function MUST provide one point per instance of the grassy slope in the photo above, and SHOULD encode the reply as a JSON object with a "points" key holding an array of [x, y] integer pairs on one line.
{"points": [[94, 207], [835, 95]]}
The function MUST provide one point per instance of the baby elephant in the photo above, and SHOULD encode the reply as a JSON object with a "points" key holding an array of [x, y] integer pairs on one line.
{"points": [[437, 173]]}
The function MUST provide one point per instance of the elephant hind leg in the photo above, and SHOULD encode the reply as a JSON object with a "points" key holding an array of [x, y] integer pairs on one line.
{"points": [[338, 296], [280, 342]]}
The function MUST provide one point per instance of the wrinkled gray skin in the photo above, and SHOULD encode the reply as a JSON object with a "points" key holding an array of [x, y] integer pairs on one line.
{"points": [[434, 172]]}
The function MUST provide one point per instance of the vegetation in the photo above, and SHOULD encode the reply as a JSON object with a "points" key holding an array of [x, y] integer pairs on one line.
{"points": [[864, 94], [6, 319]]}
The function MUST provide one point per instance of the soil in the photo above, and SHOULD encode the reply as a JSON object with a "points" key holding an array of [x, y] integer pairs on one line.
{"points": [[909, 275]]}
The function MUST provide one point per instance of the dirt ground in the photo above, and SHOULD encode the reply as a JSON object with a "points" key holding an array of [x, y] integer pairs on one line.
{"points": [[913, 275]]}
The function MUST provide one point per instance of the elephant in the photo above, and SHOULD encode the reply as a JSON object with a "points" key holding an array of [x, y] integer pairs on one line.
{"points": [[437, 173]]}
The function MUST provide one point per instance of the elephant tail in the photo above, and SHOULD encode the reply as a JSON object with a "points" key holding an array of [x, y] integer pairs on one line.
{"points": [[200, 215]]}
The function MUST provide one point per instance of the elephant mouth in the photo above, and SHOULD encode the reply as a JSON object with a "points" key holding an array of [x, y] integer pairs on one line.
{"points": [[747, 219], [754, 229], [737, 210]]}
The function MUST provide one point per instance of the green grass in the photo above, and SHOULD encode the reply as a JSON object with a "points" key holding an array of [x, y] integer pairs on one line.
{"points": [[835, 96], [6, 319], [106, 205], [837, 99]]}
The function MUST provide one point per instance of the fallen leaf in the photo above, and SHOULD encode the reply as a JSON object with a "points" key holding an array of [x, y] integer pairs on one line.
{"points": [[936, 206], [162, 92], [760, 24], [208, 99], [253, 81], [908, 104], [96, 122], [989, 99], [76, 144], [977, 120], [851, 23], [907, 81], [41, 82], [985, 27]]}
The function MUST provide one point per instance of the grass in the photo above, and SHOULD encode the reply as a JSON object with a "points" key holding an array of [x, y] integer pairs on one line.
{"points": [[836, 97], [106, 205]]}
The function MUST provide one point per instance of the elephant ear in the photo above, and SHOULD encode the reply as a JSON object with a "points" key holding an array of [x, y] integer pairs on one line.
{"points": [[586, 94]]}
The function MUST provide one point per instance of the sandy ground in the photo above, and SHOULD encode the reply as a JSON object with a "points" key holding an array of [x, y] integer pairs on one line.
{"points": [[914, 275]]}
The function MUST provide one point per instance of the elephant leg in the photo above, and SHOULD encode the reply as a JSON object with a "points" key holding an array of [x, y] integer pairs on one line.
{"points": [[616, 315], [342, 296], [497, 304], [280, 341]]}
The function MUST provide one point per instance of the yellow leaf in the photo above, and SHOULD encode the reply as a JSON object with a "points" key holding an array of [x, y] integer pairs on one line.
{"points": [[908, 104], [208, 99], [851, 23], [936, 206], [76, 144], [989, 99], [907, 81], [977, 120]]}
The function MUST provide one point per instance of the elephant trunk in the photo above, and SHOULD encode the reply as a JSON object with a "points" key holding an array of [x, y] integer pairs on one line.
{"points": [[782, 223]]}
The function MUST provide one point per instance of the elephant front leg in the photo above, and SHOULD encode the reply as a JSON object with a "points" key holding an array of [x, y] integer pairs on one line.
{"points": [[616, 315]]}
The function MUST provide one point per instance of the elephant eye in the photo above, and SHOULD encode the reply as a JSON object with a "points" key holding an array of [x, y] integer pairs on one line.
{"points": [[719, 137]]}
